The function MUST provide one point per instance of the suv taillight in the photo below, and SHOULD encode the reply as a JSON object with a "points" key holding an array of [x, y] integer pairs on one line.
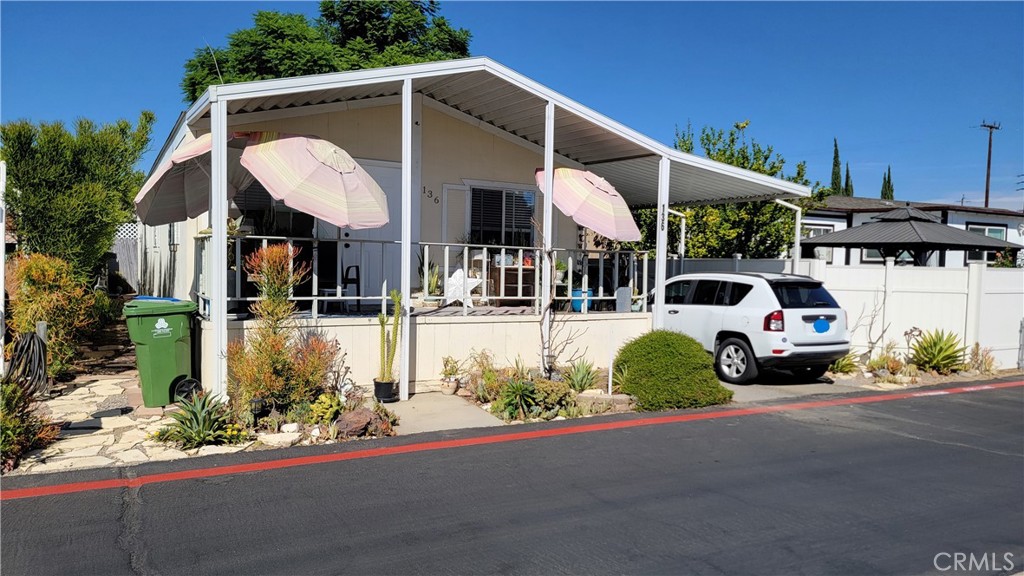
{"points": [[774, 322]]}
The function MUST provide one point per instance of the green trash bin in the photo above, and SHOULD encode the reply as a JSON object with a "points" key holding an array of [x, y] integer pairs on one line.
{"points": [[161, 330]]}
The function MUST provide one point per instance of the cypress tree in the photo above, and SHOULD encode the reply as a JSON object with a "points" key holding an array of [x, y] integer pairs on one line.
{"points": [[887, 191], [848, 185], [837, 176]]}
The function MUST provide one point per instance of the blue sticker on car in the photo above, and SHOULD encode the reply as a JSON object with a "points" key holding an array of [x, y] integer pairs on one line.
{"points": [[821, 325]]}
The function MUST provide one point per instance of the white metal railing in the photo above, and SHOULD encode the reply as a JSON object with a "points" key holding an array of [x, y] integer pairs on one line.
{"points": [[507, 275]]}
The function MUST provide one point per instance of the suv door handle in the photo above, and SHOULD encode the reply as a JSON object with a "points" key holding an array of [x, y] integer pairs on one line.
{"points": [[673, 311]]}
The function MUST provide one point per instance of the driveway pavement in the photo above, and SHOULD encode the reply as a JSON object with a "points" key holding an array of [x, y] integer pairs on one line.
{"points": [[853, 484]]}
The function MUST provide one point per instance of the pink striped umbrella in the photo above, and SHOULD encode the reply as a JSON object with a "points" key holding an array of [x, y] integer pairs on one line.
{"points": [[179, 189], [592, 202], [314, 176]]}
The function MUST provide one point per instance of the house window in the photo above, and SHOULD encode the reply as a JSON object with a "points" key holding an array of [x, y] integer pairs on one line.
{"points": [[812, 230], [873, 255], [992, 231], [501, 217]]}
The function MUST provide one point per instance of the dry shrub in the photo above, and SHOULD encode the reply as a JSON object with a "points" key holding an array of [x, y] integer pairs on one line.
{"points": [[45, 288], [21, 427], [277, 363]]}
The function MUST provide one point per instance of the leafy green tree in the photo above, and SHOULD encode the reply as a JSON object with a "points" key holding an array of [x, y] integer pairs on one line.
{"points": [[348, 35], [68, 192], [754, 229], [848, 185], [837, 174], [887, 190]]}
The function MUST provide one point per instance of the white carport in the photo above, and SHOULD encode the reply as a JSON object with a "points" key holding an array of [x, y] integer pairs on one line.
{"points": [[495, 99]]}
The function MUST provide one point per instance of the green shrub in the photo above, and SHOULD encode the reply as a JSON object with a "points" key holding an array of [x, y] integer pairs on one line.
{"points": [[326, 408], [551, 395], [580, 375], [44, 288], [666, 370], [21, 428], [70, 190], [938, 350]]}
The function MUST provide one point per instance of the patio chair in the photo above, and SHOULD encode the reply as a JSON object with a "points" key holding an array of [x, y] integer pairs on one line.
{"points": [[350, 278]]}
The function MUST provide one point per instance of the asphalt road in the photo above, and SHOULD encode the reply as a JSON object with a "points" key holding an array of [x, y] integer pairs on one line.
{"points": [[880, 488]]}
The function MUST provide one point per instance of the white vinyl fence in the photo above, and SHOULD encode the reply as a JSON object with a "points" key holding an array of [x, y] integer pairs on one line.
{"points": [[978, 304]]}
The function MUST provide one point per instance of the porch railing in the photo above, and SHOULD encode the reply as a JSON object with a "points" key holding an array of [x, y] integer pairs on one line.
{"points": [[502, 275]]}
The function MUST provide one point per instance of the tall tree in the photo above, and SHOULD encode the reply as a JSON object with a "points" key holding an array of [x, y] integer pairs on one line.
{"points": [[887, 190], [837, 174], [68, 192], [754, 229], [348, 35], [848, 185]]}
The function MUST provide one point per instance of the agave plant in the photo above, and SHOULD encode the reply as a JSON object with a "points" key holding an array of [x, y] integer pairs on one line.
{"points": [[938, 350], [580, 375], [202, 420], [845, 365], [518, 397]]}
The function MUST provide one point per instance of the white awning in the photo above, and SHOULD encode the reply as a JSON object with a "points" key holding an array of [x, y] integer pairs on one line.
{"points": [[497, 98]]}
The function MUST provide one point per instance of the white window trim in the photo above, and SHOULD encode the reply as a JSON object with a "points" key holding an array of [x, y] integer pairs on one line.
{"points": [[827, 228], [985, 253], [470, 184]]}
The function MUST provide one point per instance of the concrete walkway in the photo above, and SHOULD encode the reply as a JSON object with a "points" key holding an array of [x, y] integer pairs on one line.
{"points": [[432, 411]]}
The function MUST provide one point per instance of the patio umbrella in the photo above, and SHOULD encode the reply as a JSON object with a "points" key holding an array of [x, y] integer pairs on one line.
{"points": [[911, 230], [592, 202], [314, 176], [179, 189]]}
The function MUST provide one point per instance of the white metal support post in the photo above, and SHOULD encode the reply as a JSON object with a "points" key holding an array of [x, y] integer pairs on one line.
{"points": [[682, 238], [664, 168], [218, 255], [545, 291], [407, 192], [3, 261], [796, 233]]}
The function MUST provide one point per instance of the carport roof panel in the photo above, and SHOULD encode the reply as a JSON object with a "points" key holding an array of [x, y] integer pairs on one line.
{"points": [[496, 95]]}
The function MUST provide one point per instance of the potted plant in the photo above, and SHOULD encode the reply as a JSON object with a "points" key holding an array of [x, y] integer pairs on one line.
{"points": [[560, 268], [384, 383], [450, 370]]}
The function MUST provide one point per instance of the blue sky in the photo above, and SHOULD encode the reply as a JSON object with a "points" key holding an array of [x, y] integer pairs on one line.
{"points": [[901, 84]]}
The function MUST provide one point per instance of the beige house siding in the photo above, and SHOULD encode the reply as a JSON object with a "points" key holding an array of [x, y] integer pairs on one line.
{"points": [[595, 337]]}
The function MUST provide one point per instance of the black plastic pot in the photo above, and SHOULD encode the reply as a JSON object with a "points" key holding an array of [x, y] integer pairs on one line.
{"points": [[384, 391]]}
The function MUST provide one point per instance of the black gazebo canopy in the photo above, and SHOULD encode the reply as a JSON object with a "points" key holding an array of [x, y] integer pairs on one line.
{"points": [[908, 230]]}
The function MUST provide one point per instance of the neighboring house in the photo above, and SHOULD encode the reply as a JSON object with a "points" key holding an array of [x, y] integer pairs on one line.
{"points": [[841, 212], [455, 146]]}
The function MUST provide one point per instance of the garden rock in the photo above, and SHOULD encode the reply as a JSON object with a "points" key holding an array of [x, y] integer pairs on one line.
{"points": [[281, 439], [290, 427], [354, 423]]}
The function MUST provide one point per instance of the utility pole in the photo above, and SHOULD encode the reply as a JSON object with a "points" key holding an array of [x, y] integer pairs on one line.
{"points": [[991, 127]]}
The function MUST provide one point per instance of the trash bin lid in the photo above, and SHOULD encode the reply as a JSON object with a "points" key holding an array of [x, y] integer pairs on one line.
{"points": [[149, 305]]}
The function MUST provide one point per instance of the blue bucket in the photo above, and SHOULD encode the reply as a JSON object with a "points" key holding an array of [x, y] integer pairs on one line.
{"points": [[577, 300]]}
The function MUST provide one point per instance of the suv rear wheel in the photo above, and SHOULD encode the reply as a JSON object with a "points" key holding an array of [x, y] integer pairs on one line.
{"points": [[735, 362]]}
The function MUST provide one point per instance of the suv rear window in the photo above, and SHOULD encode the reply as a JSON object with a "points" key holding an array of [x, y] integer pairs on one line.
{"points": [[803, 295]]}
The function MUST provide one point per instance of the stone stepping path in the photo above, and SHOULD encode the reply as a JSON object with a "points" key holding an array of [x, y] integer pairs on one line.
{"points": [[105, 425]]}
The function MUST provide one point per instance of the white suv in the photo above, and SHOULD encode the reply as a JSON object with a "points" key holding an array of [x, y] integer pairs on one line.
{"points": [[750, 321]]}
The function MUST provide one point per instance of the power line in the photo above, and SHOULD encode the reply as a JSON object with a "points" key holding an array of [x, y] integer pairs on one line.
{"points": [[991, 127]]}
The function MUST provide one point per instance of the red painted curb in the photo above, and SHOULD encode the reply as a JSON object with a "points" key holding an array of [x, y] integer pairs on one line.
{"points": [[477, 441]]}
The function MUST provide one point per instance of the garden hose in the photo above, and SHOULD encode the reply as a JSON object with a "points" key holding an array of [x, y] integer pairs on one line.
{"points": [[28, 364]]}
